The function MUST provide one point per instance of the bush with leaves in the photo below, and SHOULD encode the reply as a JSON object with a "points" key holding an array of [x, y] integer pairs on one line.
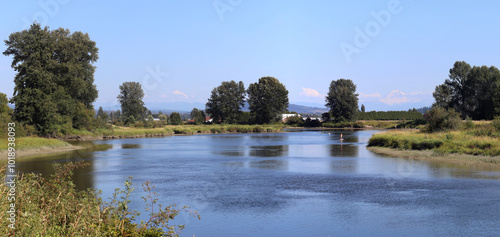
{"points": [[54, 207], [439, 119]]}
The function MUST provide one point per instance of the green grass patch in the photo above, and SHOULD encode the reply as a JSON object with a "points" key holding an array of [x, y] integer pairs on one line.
{"points": [[357, 124], [478, 141], [33, 143]]}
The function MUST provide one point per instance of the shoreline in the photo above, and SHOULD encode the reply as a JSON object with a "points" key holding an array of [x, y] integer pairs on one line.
{"points": [[431, 156], [48, 150], [44, 150]]}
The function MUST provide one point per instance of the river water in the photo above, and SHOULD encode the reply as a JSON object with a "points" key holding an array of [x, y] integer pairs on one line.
{"points": [[297, 183]]}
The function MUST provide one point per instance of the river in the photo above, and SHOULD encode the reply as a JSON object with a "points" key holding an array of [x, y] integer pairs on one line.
{"points": [[296, 183]]}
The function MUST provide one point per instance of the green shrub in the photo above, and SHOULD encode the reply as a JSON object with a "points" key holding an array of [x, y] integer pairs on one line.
{"points": [[496, 123], [54, 207], [469, 124], [402, 142], [439, 119], [258, 129]]}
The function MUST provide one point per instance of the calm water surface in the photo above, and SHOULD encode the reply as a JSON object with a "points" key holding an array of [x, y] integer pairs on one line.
{"points": [[304, 183]]}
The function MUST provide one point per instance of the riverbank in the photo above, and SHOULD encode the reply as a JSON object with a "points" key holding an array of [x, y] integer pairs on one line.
{"points": [[30, 146], [486, 162], [169, 130], [473, 146]]}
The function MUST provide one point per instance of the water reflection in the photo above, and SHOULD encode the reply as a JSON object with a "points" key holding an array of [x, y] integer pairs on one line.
{"points": [[346, 148], [270, 164], [228, 145], [269, 151], [131, 146], [44, 164]]}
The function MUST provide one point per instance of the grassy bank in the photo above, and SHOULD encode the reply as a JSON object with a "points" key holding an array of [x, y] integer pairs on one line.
{"points": [[483, 139], [38, 145], [27, 146], [24, 143], [123, 132]]}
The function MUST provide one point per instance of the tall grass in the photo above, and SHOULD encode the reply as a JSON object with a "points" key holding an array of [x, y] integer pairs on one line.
{"points": [[54, 207], [482, 139], [33, 143]]}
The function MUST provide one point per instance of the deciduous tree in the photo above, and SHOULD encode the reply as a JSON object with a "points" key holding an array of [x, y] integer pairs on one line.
{"points": [[130, 98], [342, 100], [54, 79], [226, 102], [267, 98]]}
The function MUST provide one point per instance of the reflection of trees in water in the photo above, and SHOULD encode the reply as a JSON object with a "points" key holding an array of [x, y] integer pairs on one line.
{"points": [[82, 177], [228, 145], [270, 164], [343, 150], [269, 151], [347, 150], [458, 170], [131, 146]]}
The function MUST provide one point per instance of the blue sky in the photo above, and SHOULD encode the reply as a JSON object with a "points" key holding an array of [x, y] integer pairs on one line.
{"points": [[398, 51]]}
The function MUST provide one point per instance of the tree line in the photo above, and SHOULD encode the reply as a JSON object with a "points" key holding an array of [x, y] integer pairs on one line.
{"points": [[54, 91], [471, 91], [390, 115]]}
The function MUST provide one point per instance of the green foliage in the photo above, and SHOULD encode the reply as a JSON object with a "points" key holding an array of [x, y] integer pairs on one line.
{"points": [[496, 123], [163, 117], [226, 101], [483, 139], [472, 91], [175, 119], [23, 143], [5, 114], [344, 125], [363, 108], [267, 99], [469, 124], [390, 115], [55, 77], [294, 121], [198, 116], [393, 140], [342, 100], [130, 98], [440, 119], [54, 207], [102, 115]]}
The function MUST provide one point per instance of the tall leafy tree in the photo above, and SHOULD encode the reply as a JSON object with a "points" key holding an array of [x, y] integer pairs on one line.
{"points": [[342, 100], [54, 83], [471, 91], [483, 83], [363, 108], [175, 119], [226, 102], [267, 98], [101, 114], [130, 98], [5, 113], [198, 116]]}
